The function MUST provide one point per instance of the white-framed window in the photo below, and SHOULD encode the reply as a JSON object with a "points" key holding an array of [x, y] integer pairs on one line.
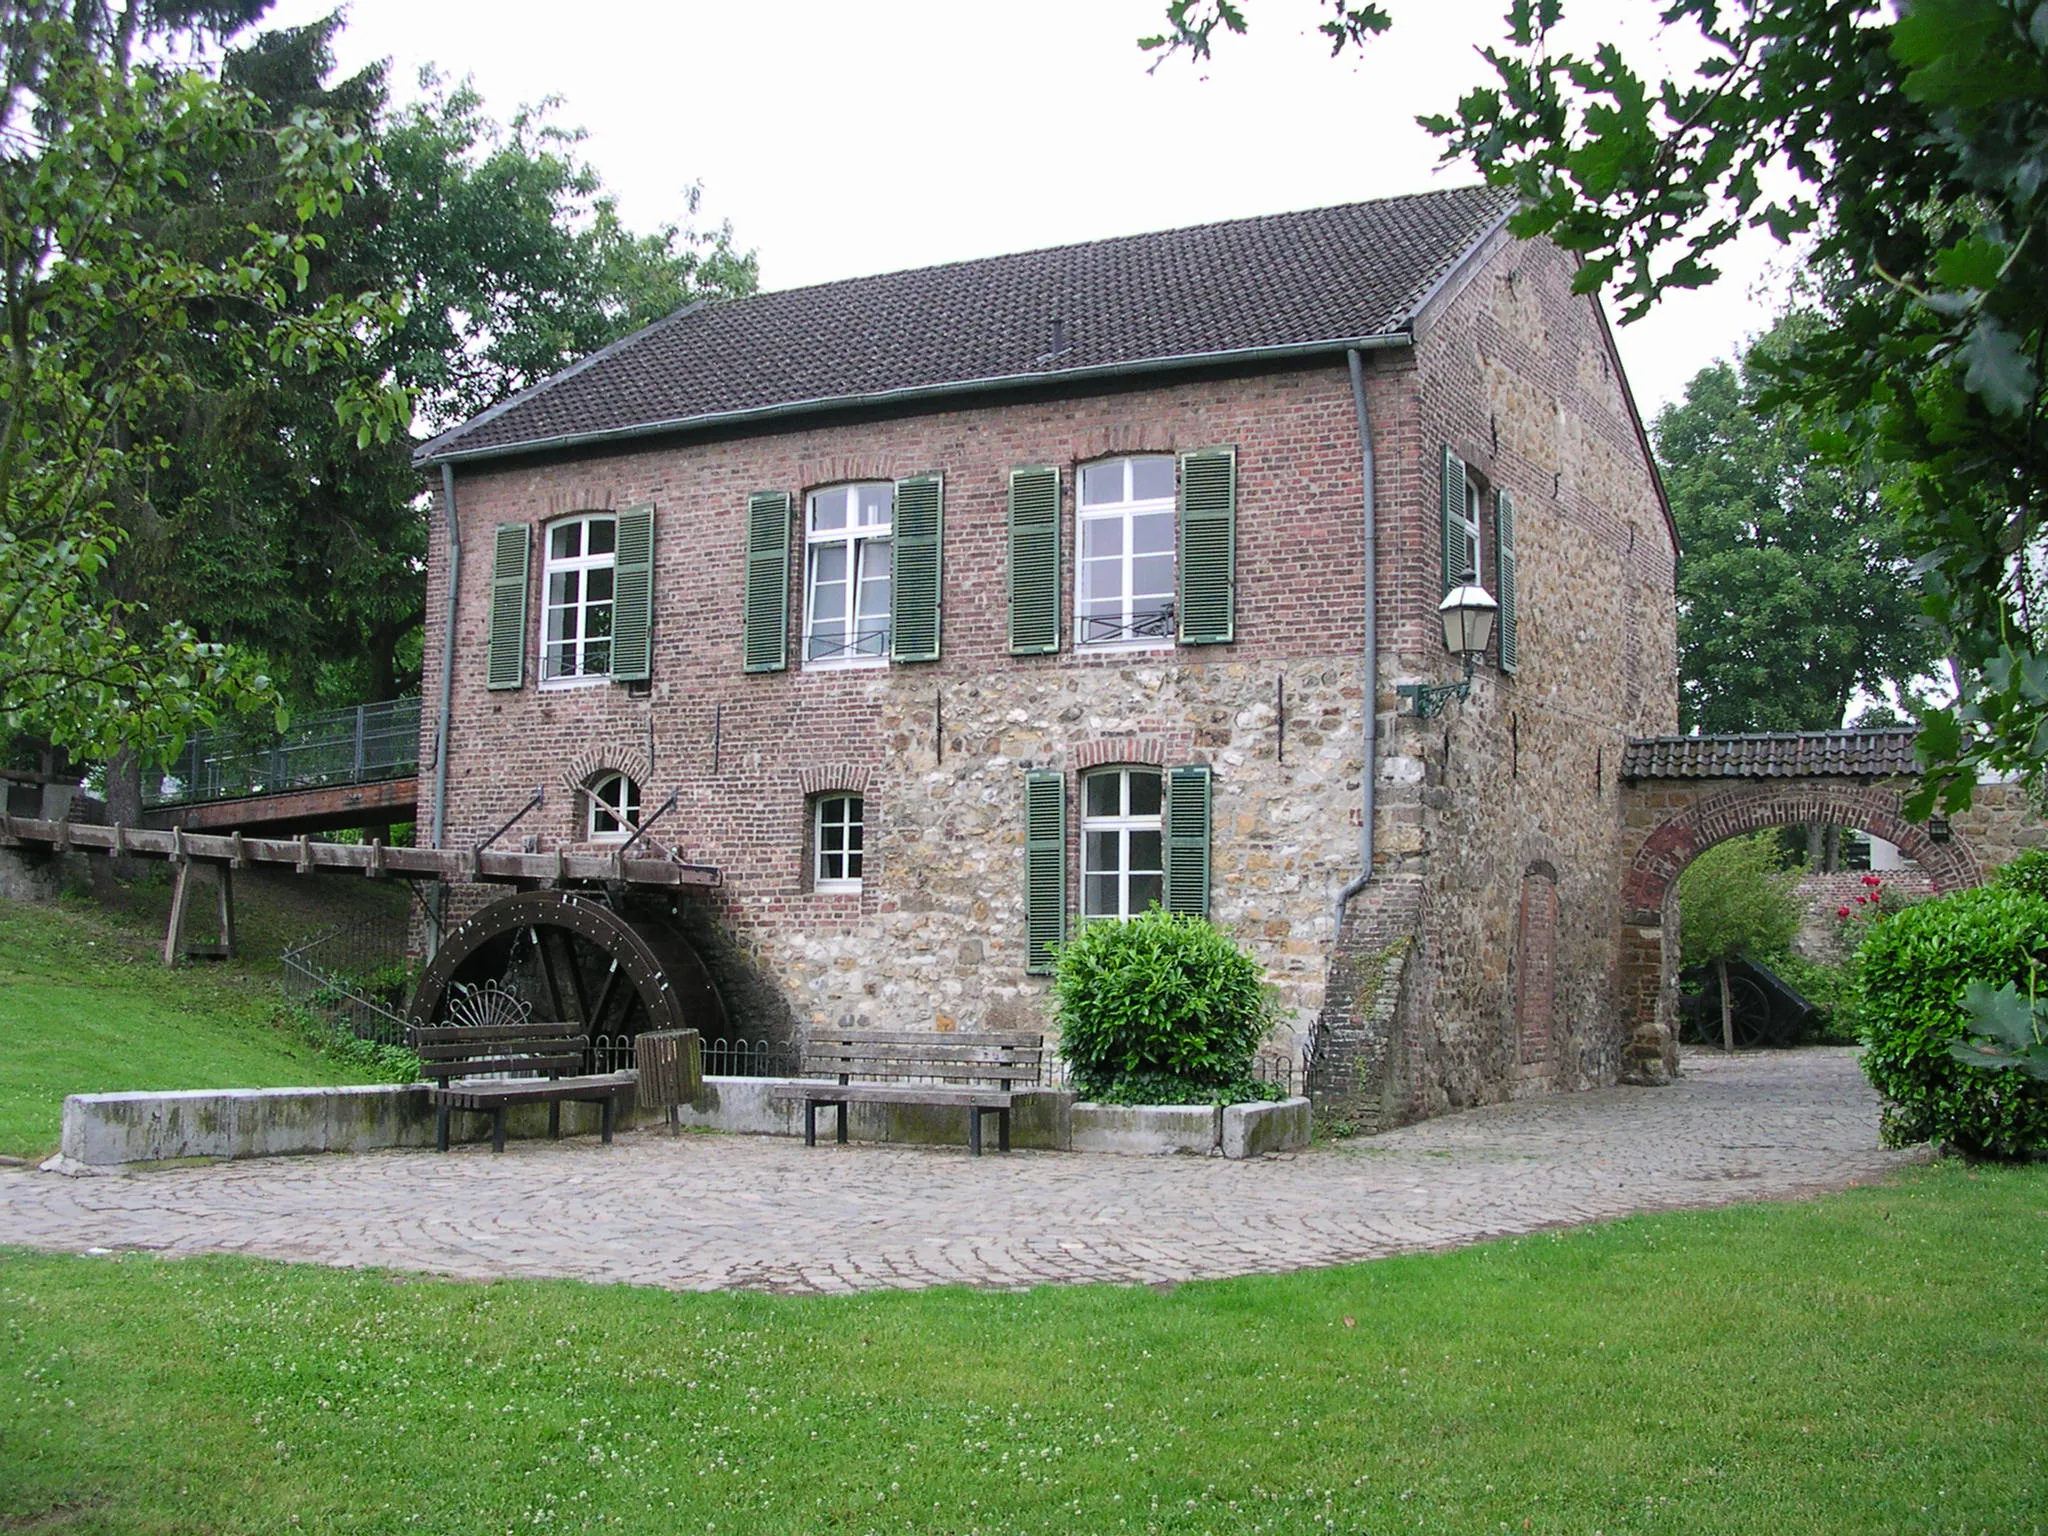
{"points": [[836, 842], [1122, 841], [846, 580], [576, 615], [1123, 572], [1465, 533], [614, 812]]}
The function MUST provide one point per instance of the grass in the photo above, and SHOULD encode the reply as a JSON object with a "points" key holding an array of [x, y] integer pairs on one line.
{"points": [[87, 1007], [1875, 1361]]}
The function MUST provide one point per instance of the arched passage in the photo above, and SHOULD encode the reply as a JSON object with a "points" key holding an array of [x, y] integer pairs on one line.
{"points": [[1672, 821]]}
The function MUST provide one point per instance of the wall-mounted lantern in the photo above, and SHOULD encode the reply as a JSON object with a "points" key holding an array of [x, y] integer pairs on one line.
{"points": [[1467, 612]]}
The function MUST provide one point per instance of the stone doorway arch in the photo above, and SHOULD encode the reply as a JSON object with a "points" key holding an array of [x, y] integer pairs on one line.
{"points": [[1683, 794]]}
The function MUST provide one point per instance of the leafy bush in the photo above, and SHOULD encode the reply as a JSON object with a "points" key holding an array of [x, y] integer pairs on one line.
{"points": [[2028, 873], [1736, 898], [1915, 967], [1163, 1009], [1835, 990], [378, 1062]]}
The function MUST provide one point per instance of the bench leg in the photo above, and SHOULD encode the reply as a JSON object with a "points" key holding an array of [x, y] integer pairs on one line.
{"points": [[611, 1108], [842, 1124], [675, 1120], [974, 1130], [498, 1129], [554, 1122], [441, 1128], [810, 1123], [1003, 1130]]}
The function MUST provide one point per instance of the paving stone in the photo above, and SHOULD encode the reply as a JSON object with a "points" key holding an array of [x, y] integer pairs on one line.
{"points": [[766, 1213]]}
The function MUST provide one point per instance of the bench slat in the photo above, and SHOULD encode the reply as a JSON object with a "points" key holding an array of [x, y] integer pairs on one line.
{"points": [[536, 1029], [563, 1046], [935, 1073], [478, 1066], [925, 1052], [926, 1037], [489, 1095], [881, 1093], [918, 1064]]}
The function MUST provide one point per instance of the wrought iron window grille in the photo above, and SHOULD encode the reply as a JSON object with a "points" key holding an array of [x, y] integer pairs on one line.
{"points": [[874, 645], [1156, 625]]}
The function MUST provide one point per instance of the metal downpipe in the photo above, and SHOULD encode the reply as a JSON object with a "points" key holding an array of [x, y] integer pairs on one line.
{"points": [[1369, 775], [440, 822]]}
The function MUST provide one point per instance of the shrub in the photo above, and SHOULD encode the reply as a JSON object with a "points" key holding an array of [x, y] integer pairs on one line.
{"points": [[1834, 989], [1915, 966], [1736, 898], [2027, 873], [1163, 1009]]}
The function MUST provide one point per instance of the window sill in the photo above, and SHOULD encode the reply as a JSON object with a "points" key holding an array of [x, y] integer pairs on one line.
{"points": [[1113, 647], [836, 888], [850, 664], [570, 684]]}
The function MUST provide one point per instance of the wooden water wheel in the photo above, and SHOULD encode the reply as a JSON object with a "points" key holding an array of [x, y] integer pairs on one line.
{"points": [[570, 955]]}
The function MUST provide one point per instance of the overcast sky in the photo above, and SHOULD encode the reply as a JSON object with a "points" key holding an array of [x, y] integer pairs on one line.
{"points": [[841, 139]]}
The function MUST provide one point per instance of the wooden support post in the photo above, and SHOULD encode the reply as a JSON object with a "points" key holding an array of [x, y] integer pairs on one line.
{"points": [[375, 868], [174, 931], [227, 911], [238, 858], [305, 854], [7, 837]]}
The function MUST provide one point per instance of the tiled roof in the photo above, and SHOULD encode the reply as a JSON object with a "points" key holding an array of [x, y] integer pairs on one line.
{"points": [[1290, 281], [1775, 755]]}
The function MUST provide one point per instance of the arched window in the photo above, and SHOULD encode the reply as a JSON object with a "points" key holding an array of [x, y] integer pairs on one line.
{"points": [[1123, 575], [1122, 842], [614, 809], [576, 623]]}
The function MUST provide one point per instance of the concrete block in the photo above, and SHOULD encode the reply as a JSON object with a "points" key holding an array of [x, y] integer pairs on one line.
{"points": [[1252, 1129], [1147, 1129]]}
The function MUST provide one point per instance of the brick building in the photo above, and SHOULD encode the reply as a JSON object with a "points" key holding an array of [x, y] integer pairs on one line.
{"points": [[949, 607]]}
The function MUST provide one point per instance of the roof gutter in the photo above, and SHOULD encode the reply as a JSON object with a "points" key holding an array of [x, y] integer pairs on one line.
{"points": [[1369, 773], [919, 392], [440, 822]]}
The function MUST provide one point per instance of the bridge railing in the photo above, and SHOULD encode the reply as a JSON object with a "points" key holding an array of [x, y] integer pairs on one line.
{"points": [[358, 745]]}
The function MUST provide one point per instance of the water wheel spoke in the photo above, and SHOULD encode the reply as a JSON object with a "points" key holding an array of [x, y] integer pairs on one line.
{"points": [[546, 961]]}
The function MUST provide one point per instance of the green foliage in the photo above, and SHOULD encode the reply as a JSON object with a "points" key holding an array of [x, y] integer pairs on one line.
{"points": [[357, 1059], [1795, 593], [2010, 1032], [2027, 872], [1835, 990], [1916, 967], [1735, 899], [1903, 147], [1163, 1009], [107, 297]]}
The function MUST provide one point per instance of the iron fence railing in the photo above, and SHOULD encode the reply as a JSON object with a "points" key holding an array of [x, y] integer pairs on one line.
{"points": [[358, 745], [358, 974]]}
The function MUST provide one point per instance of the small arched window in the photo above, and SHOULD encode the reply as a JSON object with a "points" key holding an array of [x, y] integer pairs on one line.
{"points": [[614, 809]]}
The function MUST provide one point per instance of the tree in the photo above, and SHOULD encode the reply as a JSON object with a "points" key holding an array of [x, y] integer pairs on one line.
{"points": [[1794, 594], [276, 530], [1733, 900], [101, 295], [1904, 145]]}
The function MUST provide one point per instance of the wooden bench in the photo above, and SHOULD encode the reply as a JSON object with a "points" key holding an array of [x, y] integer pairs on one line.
{"points": [[457, 1058], [976, 1073]]}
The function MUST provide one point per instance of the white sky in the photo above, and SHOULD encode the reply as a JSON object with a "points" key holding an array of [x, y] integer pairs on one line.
{"points": [[842, 138]]}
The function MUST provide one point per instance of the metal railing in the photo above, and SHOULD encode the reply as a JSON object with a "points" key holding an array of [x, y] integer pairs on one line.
{"points": [[358, 745], [358, 974], [722, 1058]]}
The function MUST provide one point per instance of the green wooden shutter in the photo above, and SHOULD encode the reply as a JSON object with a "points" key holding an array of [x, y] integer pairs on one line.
{"points": [[1187, 840], [914, 568], [1034, 561], [1045, 867], [507, 667], [766, 624], [1208, 540], [1456, 559], [633, 597], [1504, 560]]}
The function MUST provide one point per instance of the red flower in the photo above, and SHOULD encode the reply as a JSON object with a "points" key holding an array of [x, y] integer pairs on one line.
{"points": [[1861, 899], [1872, 880], [1842, 911]]}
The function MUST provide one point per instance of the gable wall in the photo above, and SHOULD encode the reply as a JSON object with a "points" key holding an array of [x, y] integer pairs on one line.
{"points": [[1520, 782]]}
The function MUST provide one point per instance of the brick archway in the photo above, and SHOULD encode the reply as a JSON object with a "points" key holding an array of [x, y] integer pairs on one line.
{"points": [[1682, 795]]}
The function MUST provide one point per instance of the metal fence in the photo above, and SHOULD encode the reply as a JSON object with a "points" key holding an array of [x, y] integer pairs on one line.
{"points": [[344, 746], [358, 974]]}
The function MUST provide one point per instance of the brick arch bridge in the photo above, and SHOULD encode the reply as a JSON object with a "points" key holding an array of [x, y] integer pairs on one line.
{"points": [[1683, 794]]}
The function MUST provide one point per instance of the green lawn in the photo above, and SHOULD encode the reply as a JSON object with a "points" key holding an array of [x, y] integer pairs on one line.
{"points": [[1876, 1361], [86, 1007]]}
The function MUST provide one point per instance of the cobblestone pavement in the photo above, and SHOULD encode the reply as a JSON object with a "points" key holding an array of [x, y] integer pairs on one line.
{"points": [[705, 1212]]}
